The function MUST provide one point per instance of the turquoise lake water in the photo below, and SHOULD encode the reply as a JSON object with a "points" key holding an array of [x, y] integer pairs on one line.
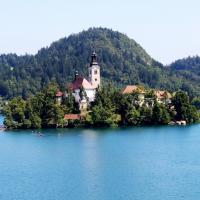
{"points": [[1, 120], [155, 163]]}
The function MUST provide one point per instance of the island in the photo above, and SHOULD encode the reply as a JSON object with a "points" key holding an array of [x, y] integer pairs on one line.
{"points": [[86, 102]]}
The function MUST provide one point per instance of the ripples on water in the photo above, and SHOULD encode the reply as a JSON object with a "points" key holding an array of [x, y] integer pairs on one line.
{"points": [[160, 163]]}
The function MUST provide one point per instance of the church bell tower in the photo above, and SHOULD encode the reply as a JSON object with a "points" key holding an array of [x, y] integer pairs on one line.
{"points": [[94, 71]]}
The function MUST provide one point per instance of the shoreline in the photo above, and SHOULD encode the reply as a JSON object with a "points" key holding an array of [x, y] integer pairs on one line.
{"points": [[99, 127]]}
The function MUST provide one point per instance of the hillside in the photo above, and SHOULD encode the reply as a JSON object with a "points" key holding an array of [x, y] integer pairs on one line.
{"points": [[122, 60], [189, 70], [191, 63]]}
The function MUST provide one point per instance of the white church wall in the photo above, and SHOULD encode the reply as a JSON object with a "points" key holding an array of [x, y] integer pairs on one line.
{"points": [[89, 92], [76, 95]]}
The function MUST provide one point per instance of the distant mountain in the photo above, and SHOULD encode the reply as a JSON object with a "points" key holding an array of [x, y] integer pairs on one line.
{"points": [[190, 64], [189, 70], [122, 61]]}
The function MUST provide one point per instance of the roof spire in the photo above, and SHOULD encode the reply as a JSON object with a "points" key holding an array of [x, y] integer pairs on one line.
{"points": [[93, 59]]}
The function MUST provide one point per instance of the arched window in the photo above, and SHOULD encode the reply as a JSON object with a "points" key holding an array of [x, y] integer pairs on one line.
{"points": [[95, 71]]}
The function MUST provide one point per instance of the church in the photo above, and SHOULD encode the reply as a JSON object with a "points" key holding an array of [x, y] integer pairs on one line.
{"points": [[84, 89]]}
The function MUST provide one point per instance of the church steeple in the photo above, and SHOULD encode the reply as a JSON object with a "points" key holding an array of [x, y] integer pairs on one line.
{"points": [[94, 71], [93, 59]]}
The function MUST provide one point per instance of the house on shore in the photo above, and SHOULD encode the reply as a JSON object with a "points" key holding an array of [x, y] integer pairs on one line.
{"points": [[162, 97], [131, 89]]}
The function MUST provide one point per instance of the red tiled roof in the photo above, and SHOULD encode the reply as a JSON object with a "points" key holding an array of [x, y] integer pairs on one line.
{"points": [[80, 82], [59, 94], [87, 85], [72, 117], [76, 84], [162, 94], [131, 88]]}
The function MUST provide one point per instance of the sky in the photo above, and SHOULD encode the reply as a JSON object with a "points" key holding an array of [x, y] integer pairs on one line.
{"points": [[167, 29]]}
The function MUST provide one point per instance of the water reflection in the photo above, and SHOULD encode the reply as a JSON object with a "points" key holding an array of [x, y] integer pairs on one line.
{"points": [[91, 163], [109, 164]]}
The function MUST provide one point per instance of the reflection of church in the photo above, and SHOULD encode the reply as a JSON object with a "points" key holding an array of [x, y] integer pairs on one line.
{"points": [[84, 90]]}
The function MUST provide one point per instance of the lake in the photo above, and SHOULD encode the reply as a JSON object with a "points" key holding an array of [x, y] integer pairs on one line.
{"points": [[1, 120], [151, 163]]}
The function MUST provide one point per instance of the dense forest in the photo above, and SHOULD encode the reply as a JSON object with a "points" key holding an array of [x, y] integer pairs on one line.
{"points": [[122, 60], [189, 70]]}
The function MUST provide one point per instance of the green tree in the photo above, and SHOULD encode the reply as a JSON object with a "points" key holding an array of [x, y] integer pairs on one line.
{"points": [[146, 115], [127, 109], [103, 110], [196, 102], [15, 113], [104, 116], [69, 104], [160, 114], [184, 110], [132, 116], [36, 121]]}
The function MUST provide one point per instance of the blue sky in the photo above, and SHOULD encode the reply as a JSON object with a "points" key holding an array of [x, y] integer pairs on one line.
{"points": [[168, 29]]}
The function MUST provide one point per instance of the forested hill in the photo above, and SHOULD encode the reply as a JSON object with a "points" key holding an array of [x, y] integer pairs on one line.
{"points": [[189, 70], [191, 64], [122, 60]]}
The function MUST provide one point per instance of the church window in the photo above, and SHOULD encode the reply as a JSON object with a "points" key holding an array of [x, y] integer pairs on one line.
{"points": [[95, 72], [95, 79]]}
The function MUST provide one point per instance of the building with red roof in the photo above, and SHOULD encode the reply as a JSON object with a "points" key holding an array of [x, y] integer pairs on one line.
{"points": [[59, 94], [72, 117], [88, 85], [129, 89]]}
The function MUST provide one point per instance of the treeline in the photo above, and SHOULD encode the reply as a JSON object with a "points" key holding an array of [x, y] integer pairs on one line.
{"points": [[121, 59], [39, 111], [189, 70], [111, 108]]}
